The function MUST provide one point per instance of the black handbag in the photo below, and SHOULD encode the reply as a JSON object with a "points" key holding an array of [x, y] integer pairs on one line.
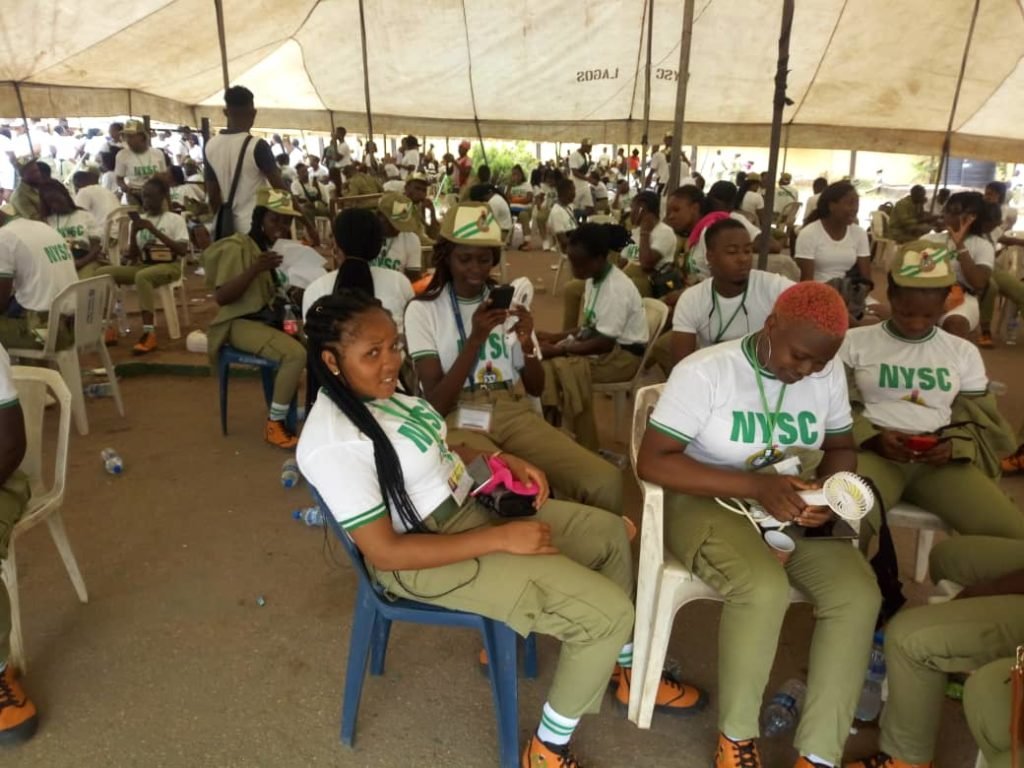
{"points": [[224, 223], [665, 279]]}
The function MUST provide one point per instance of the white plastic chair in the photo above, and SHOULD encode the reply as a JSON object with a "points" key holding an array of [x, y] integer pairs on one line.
{"points": [[656, 312], [885, 247], [663, 583], [165, 293], [563, 259], [45, 504], [905, 515], [1010, 259], [91, 303]]}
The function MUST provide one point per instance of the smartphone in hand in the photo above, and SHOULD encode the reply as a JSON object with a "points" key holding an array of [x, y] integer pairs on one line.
{"points": [[501, 297]]}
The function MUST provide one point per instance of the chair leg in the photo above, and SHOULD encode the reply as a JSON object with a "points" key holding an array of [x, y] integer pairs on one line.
{"points": [[379, 645], [170, 311], [530, 656], [925, 542], [10, 576], [223, 372], [364, 619], [184, 303], [501, 643], [67, 363], [661, 632], [60, 538], [115, 385], [558, 274]]}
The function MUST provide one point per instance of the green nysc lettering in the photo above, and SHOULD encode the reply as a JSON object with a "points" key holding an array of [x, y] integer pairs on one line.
{"points": [[752, 427]]}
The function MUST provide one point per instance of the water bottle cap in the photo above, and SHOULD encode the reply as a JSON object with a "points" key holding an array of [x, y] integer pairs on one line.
{"points": [[297, 514], [118, 469]]}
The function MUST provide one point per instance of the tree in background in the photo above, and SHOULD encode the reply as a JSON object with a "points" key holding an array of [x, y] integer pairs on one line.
{"points": [[502, 155]]}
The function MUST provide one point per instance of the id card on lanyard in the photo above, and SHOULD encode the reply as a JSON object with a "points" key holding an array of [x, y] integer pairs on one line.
{"points": [[589, 315], [723, 327], [476, 417], [459, 481], [772, 453]]}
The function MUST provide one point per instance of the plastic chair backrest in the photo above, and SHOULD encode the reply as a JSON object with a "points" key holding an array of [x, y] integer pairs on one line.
{"points": [[656, 313], [346, 541], [878, 221], [644, 401], [91, 302], [32, 384], [117, 221], [652, 522]]}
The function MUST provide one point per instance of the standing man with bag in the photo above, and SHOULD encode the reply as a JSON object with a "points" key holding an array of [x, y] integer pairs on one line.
{"points": [[237, 165]]}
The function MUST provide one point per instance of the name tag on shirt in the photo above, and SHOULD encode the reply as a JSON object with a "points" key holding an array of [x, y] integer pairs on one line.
{"points": [[459, 480], [475, 417]]}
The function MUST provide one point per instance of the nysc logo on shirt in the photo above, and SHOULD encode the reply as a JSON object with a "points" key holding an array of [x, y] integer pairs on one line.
{"points": [[898, 377], [494, 349], [752, 427], [422, 427], [57, 253]]}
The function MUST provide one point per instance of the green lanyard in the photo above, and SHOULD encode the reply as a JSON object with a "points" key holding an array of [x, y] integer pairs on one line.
{"points": [[405, 412], [714, 309], [772, 418], [588, 313]]}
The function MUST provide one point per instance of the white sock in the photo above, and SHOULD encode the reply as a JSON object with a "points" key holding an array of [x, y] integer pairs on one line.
{"points": [[555, 729], [626, 656], [820, 761], [278, 412]]}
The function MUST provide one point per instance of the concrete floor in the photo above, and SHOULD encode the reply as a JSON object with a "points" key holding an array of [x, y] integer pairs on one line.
{"points": [[173, 662]]}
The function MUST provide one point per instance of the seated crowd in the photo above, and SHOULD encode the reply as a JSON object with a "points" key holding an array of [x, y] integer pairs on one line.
{"points": [[776, 380]]}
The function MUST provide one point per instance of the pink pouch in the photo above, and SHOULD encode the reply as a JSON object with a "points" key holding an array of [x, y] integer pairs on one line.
{"points": [[502, 477]]}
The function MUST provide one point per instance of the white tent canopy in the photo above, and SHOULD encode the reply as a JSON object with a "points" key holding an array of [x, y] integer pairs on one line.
{"points": [[864, 74]]}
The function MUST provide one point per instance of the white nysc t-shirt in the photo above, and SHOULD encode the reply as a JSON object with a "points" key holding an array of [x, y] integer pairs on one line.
{"points": [[432, 331], [663, 242], [909, 385], [36, 256], [392, 288], [714, 319], [136, 167], [613, 308], [560, 220], [338, 459], [99, 202], [75, 227], [168, 223], [712, 404], [832, 258], [400, 252]]}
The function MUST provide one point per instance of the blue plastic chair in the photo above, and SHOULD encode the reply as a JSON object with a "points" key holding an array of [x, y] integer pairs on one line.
{"points": [[371, 626], [228, 356]]}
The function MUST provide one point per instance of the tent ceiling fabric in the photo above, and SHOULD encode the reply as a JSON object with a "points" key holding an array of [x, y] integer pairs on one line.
{"points": [[865, 74]]}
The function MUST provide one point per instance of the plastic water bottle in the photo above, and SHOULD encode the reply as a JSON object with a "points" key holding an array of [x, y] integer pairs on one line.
{"points": [[112, 461], [99, 389], [290, 474], [782, 712], [121, 317], [870, 704], [1012, 329], [290, 325], [311, 516]]}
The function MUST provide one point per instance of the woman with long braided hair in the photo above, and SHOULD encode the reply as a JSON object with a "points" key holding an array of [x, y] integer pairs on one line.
{"points": [[382, 465]]}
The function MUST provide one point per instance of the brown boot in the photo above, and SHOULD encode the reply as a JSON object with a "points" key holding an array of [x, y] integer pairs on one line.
{"points": [[541, 755], [737, 754], [276, 433], [674, 697], [146, 344], [18, 717]]}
